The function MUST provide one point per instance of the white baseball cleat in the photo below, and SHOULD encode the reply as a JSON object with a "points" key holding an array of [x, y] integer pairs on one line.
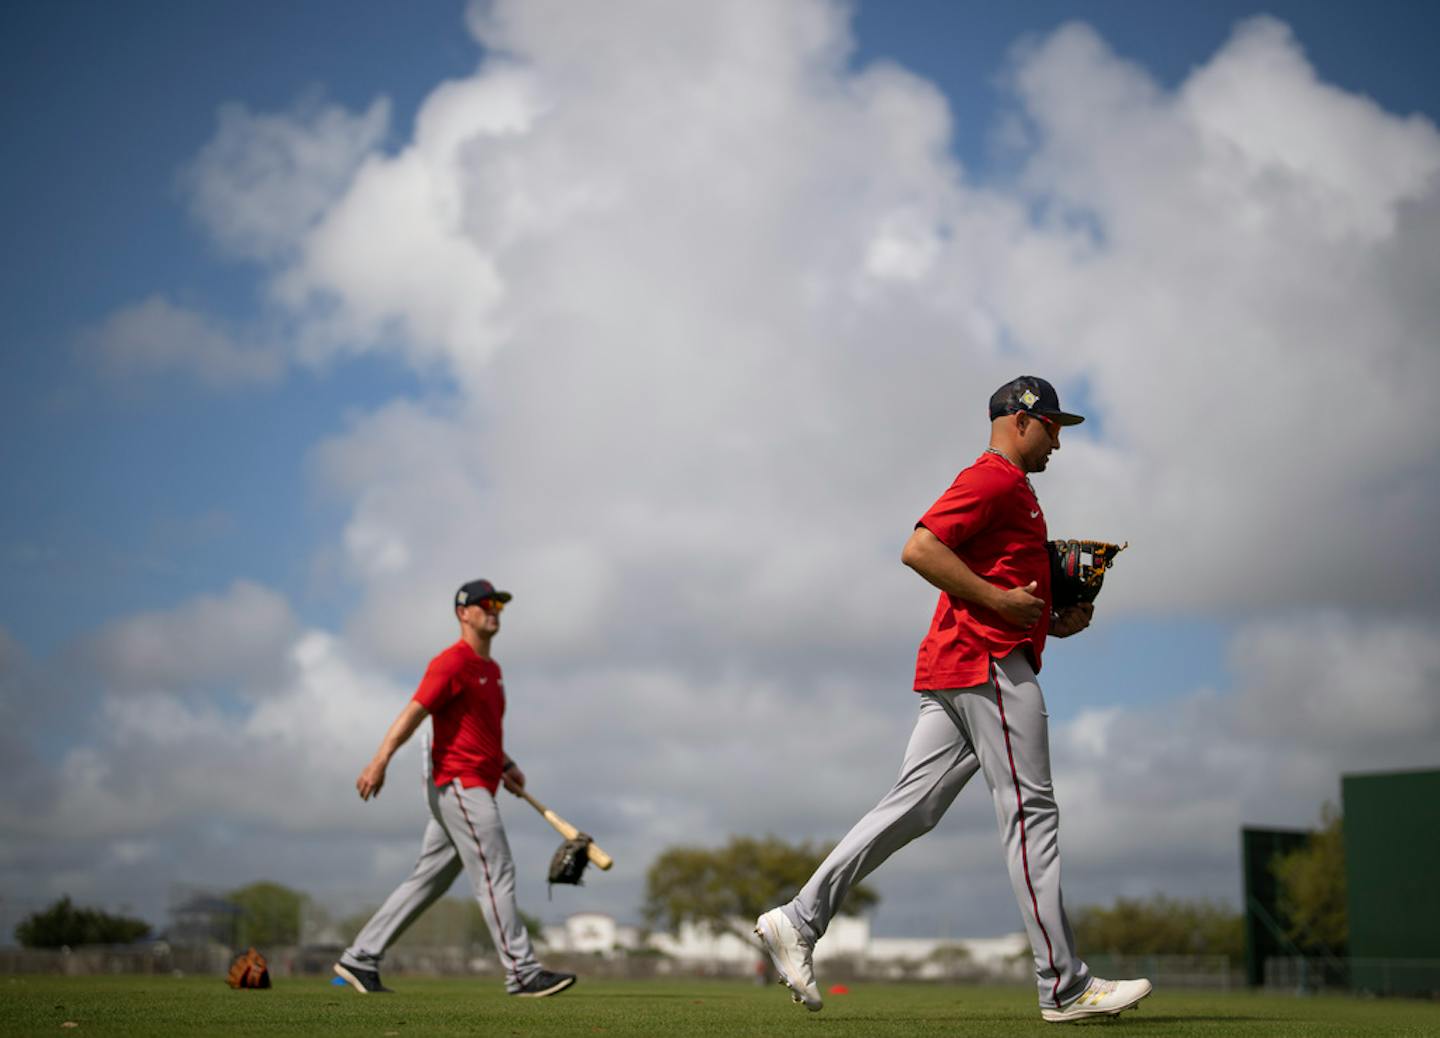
{"points": [[1101, 998], [791, 956]]}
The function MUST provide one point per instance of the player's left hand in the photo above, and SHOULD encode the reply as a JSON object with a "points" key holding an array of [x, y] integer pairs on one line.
{"points": [[1072, 620], [371, 779], [514, 779]]}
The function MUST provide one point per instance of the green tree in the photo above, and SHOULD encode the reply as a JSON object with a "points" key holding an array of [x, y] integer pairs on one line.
{"points": [[1159, 926], [269, 914], [725, 888], [1311, 882], [63, 924]]}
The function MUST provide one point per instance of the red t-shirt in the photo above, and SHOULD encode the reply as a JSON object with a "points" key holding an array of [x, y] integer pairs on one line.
{"points": [[465, 696], [991, 518]]}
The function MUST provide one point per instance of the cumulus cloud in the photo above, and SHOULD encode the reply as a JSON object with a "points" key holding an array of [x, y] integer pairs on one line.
{"points": [[1223, 279], [236, 638], [723, 341], [156, 337], [167, 787], [1167, 788], [674, 369], [26, 702], [263, 180], [718, 316], [281, 763], [1359, 693]]}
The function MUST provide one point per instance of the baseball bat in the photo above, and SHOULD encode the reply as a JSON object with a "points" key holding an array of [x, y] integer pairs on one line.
{"points": [[568, 831]]}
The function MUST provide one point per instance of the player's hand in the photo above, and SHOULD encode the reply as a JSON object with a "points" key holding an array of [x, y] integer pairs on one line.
{"points": [[1072, 620], [371, 779], [1019, 606], [514, 779]]}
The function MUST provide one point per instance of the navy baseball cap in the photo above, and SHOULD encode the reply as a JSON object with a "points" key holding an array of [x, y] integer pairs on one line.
{"points": [[1032, 395], [477, 590]]}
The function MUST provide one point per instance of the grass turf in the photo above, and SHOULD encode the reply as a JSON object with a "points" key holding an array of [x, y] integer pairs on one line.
{"points": [[32, 1005]]}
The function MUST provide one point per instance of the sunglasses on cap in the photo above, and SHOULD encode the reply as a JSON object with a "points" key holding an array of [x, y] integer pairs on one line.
{"points": [[490, 605]]}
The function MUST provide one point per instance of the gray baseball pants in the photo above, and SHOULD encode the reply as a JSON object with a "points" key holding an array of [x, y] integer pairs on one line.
{"points": [[464, 832], [1000, 728]]}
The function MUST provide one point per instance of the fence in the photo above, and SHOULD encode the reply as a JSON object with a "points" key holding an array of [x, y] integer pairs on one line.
{"points": [[157, 959], [1414, 977], [1211, 972], [161, 958], [1404, 977], [212, 959]]}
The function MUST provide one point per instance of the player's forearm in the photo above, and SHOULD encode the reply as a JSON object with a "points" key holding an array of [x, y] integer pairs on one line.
{"points": [[930, 557], [400, 731]]}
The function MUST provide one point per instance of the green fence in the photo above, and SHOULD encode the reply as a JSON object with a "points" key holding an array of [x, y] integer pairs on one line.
{"points": [[1419, 978]]}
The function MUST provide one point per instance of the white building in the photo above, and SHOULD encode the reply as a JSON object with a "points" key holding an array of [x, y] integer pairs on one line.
{"points": [[848, 938], [591, 933]]}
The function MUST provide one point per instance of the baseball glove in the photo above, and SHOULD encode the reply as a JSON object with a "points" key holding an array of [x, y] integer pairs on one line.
{"points": [[249, 971], [568, 863], [1077, 570]]}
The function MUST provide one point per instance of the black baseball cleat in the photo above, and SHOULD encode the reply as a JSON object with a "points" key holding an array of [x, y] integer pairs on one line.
{"points": [[367, 982], [545, 983]]}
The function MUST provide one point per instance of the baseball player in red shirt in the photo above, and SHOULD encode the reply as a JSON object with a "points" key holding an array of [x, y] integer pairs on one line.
{"points": [[463, 693], [983, 544]]}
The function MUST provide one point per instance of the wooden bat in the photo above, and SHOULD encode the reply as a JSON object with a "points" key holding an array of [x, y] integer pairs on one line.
{"points": [[568, 831]]}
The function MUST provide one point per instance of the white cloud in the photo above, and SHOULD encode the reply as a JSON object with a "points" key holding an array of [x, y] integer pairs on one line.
{"points": [[32, 705], [1241, 309], [719, 343], [262, 180], [157, 337], [420, 523], [239, 637], [1156, 796], [1329, 684], [1304, 143], [397, 250], [164, 760]]}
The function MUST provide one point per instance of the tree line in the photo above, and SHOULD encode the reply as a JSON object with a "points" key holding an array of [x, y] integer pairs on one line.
{"points": [[715, 887]]}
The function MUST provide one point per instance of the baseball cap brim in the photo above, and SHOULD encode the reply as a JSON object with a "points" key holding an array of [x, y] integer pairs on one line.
{"points": [[479, 590], [1063, 417]]}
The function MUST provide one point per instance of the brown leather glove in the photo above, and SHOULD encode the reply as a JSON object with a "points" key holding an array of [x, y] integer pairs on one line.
{"points": [[249, 970]]}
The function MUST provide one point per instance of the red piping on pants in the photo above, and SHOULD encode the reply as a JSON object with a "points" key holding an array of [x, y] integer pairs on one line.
{"points": [[485, 866], [1024, 851]]}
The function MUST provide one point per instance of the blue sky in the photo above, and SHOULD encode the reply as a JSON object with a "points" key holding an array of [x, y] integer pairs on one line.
{"points": [[690, 474]]}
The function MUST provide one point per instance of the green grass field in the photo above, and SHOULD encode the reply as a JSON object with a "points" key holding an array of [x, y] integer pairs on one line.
{"points": [[677, 1009]]}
